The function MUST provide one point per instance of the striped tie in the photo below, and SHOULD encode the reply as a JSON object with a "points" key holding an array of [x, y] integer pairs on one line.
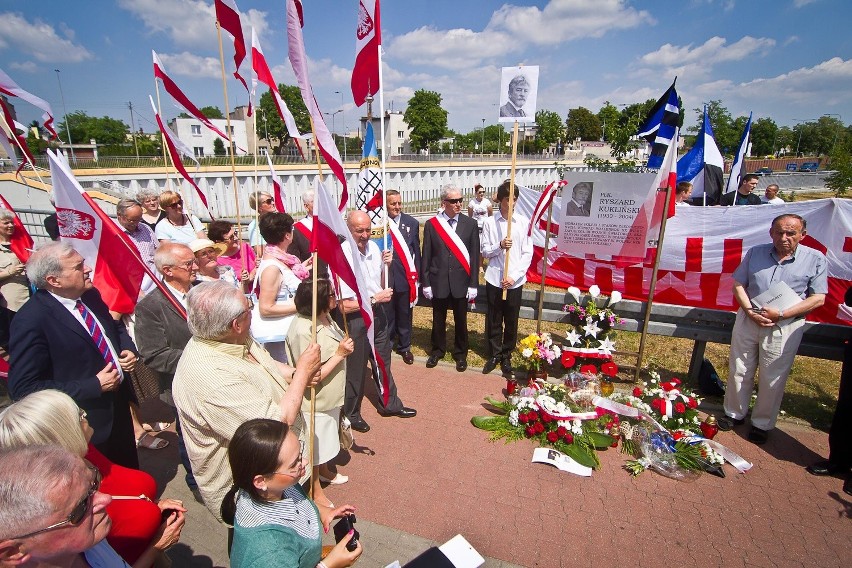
{"points": [[95, 332]]}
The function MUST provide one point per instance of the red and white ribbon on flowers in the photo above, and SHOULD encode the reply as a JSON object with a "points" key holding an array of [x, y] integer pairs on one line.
{"points": [[587, 352], [567, 415], [730, 456]]}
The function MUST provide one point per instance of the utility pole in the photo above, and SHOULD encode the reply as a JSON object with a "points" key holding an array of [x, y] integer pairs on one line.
{"points": [[133, 128], [482, 150]]}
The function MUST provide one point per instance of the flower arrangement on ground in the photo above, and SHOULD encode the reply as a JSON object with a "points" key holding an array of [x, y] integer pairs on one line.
{"points": [[590, 319], [534, 351], [546, 413]]}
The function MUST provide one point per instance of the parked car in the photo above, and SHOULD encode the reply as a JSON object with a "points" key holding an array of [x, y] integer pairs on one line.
{"points": [[763, 171], [809, 167]]}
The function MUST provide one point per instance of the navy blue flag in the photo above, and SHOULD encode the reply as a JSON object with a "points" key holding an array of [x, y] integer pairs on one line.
{"points": [[702, 166], [659, 127], [739, 160]]}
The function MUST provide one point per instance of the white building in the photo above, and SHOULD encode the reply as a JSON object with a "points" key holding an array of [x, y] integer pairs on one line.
{"points": [[397, 133], [201, 139]]}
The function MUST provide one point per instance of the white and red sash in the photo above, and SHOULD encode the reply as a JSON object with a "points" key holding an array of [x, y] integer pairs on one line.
{"points": [[452, 240], [401, 249], [302, 227]]}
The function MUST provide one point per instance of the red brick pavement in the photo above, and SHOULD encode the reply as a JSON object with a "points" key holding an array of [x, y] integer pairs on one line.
{"points": [[436, 475]]}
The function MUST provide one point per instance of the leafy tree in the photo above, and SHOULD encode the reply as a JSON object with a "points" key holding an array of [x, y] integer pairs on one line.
{"points": [[211, 112], [583, 124], [601, 165], [218, 147], [550, 129], [725, 130], [786, 140], [104, 130], [841, 179], [764, 134], [268, 121], [37, 143], [428, 121], [608, 117]]}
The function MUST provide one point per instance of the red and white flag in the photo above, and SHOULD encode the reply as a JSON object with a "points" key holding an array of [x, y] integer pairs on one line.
{"points": [[117, 268], [543, 204], [228, 17], [276, 187], [176, 147], [21, 242], [10, 133], [264, 75], [10, 88], [178, 95], [299, 61], [328, 224], [365, 73]]}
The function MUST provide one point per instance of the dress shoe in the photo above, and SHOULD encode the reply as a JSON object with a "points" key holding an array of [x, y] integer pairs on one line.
{"points": [[432, 361], [338, 479], [758, 436], [490, 365], [825, 467], [506, 368], [726, 423], [408, 358], [847, 485], [405, 412], [359, 425], [461, 366]]}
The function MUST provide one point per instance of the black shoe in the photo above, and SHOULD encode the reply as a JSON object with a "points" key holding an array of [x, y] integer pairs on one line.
{"points": [[490, 365], [408, 358], [404, 413], [461, 366], [432, 361], [825, 467], [506, 368], [196, 494], [758, 436], [359, 425], [726, 423], [847, 485]]}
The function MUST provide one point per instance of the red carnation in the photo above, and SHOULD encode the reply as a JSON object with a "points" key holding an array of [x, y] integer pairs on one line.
{"points": [[561, 431], [637, 392], [568, 437], [529, 431], [677, 435], [568, 360], [680, 407], [589, 369], [675, 381], [539, 427], [609, 369], [522, 418], [692, 403], [532, 416], [552, 437], [656, 403], [546, 418]]}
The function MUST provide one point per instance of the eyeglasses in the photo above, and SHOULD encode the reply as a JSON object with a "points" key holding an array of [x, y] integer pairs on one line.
{"points": [[248, 309], [459, 200], [83, 414], [268, 201], [185, 265], [301, 456], [78, 513], [176, 203]]}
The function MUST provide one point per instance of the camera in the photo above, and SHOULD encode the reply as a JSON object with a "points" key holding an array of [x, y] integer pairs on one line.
{"points": [[342, 528]]}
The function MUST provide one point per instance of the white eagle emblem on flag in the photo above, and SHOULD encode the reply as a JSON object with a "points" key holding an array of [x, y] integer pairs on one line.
{"points": [[365, 22], [75, 224]]}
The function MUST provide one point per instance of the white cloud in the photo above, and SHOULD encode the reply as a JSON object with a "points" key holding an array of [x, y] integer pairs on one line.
{"points": [[512, 28], [712, 51], [39, 40], [191, 65], [791, 39], [802, 3], [26, 66]]}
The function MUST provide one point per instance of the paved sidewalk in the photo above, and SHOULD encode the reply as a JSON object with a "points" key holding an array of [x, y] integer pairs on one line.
{"points": [[420, 481]]}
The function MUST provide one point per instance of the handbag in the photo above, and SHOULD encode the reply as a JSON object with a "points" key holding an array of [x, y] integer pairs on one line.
{"points": [[347, 440], [272, 329]]}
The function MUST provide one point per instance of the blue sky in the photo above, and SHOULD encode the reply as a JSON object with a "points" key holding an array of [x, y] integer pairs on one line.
{"points": [[786, 59]]}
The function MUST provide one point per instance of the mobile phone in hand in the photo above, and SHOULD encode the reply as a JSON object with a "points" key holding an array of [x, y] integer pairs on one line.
{"points": [[342, 528]]}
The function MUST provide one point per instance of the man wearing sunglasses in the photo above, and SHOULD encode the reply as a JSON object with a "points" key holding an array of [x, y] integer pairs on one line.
{"points": [[449, 274], [40, 526]]}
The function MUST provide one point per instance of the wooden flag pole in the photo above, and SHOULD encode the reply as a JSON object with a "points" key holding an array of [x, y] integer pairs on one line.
{"points": [[165, 152], [14, 136], [544, 266], [231, 145], [511, 202]]}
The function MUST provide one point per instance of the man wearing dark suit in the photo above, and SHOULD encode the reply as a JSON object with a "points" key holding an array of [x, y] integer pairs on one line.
{"points": [[51, 348], [161, 328], [448, 278], [519, 89], [581, 198], [399, 310]]}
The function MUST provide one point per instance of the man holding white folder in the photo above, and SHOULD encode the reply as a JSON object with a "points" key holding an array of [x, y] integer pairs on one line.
{"points": [[776, 286]]}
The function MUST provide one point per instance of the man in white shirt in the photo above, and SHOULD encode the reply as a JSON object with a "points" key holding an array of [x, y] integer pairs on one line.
{"points": [[501, 319], [770, 195]]}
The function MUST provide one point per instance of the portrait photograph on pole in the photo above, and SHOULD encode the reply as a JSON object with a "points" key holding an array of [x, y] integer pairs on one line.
{"points": [[518, 92]]}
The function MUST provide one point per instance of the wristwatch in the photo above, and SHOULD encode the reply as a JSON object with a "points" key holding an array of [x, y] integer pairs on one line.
{"points": [[780, 314], [372, 300]]}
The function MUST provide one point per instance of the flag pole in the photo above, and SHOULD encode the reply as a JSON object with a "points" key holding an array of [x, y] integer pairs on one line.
{"points": [[163, 136], [511, 202], [544, 266], [14, 136], [382, 133], [231, 145]]}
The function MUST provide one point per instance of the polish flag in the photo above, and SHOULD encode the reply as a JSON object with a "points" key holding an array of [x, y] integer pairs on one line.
{"points": [[299, 61], [276, 187], [21, 242], [328, 224], [178, 95], [10, 132], [547, 197], [264, 75], [365, 73], [117, 268], [10, 88], [228, 17]]}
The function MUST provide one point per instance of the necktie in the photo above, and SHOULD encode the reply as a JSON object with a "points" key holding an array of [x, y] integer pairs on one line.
{"points": [[452, 223], [521, 112], [95, 331]]}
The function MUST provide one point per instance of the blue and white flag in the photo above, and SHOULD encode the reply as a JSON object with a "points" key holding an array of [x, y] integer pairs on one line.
{"points": [[739, 159], [659, 127], [371, 197], [703, 165]]}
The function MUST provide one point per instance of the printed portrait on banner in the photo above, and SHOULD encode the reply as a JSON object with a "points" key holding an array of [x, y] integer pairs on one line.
{"points": [[518, 92]]}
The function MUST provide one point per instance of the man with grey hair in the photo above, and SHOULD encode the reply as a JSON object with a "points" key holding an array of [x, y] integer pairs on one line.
{"points": [[581, 199], [52, 512], [129, 214], [224, 378], [302, 232], [449, 273], [64, 338], [519, 90]]}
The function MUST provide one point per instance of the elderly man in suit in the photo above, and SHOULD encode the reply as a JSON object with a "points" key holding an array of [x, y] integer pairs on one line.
{"points": [[161, 328], [64, 338], [449, 273], [403, 275], [519, 90]]}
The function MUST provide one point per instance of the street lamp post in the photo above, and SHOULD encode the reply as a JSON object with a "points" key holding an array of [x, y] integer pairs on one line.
{"points": [[801, 121], [65, 112], [482, 150], [332, 114], [343, 120], [840, 125]]}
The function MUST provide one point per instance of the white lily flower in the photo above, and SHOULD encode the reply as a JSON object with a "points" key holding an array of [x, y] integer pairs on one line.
{"points": [[574, 291], [513, 417], [592, 329], [573, 337], [594, 291], [614, 298], [527, 352], [607, 346]]}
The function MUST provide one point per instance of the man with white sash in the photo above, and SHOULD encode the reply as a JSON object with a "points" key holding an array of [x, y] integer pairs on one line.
{"points": [[405, 239], [302, 234], [450, 249]]}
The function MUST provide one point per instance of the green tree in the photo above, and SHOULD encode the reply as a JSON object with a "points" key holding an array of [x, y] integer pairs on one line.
{"points": [[211, 112], [270, 125], [218, 147], [764, 133], [104, 130], [583, 124], [608, 116], [841, 179], [786, 142], [549, 129], [36, 141], [724, 128], [428, 121]]}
